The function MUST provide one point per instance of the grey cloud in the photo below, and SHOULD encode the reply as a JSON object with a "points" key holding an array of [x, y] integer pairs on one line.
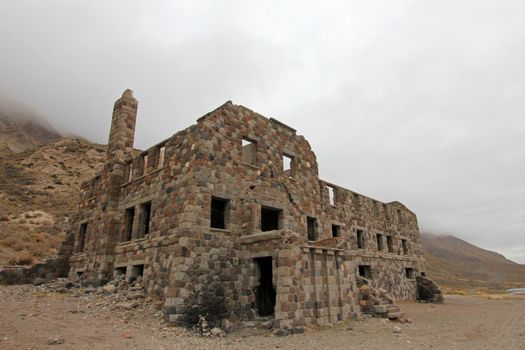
{"points": [[417, 101]]}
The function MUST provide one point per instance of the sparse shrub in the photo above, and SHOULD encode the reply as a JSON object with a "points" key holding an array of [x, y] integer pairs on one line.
{"points": [[209, 302], [22, 258]]}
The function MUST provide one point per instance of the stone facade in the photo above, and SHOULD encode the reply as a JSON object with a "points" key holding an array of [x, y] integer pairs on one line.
{"points": [[235, 201]]}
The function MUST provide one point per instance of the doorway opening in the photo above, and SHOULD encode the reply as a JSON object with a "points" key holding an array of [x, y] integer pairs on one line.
{"points": [[265, 297]]}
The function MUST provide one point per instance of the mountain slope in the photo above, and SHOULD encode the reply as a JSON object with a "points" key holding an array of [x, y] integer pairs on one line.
{"points": [[38, 194], [21, 129], [455, 263]]}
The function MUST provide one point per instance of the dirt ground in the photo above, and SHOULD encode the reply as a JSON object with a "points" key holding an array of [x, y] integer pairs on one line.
{"points": [[30, 317]]}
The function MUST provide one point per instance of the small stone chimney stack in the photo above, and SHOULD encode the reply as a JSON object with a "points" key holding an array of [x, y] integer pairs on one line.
{"points": [[122, 132]]}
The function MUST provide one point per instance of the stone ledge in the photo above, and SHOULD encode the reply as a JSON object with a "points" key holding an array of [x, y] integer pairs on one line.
{"points": [[263, 236]]}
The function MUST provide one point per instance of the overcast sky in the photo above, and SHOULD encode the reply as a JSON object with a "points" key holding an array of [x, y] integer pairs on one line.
{"points": [[417, 101]]}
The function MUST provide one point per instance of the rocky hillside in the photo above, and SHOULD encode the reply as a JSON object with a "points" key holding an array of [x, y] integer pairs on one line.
{"points": [[38, 193], [456, 264]]}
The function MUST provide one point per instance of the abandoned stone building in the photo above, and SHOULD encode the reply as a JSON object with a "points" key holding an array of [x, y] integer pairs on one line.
{"points": [[235, 201]]}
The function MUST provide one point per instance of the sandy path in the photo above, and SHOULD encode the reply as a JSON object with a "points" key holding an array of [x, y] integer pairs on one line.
{"points": [[29, 318]]}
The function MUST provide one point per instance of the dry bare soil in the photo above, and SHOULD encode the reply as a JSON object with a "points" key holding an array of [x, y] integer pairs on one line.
{"points": [[30, 317]]}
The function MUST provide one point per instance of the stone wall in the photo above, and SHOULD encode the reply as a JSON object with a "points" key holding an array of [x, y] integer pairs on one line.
{"points": [[179, 253]]}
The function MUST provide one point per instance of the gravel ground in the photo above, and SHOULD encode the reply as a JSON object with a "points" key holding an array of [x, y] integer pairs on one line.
{"points": [[31, 318]]}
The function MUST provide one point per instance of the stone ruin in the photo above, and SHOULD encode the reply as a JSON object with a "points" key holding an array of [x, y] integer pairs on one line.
{"points": [[228, 219]]}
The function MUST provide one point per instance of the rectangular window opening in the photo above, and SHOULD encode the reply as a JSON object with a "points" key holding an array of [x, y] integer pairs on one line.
{"points": [[270, 219], [82, 237], [130, 217], [404, 243], [331, 195], [130, 171], [409, 273], [365, 271], [162, 155], [311, 224], [145, 159], [379, 238], [360, 235], [218, 216], [146, 217], [336, 231], [287, 165], [249, 151], [390, 244]]}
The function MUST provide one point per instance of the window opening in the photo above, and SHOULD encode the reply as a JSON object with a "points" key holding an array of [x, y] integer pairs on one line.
{"points": [[146, 217], [405, 246], [248, 151], [365, 271], [409, 273], [145, 159], [265, 295], [390, 244], [379, 238], [331, 195], [82, 237], [287, 165], [360, 239], [311, 224], [162, 155], [137, 273], [130, 217], [336, 231], [218, 213], [270, 219]]}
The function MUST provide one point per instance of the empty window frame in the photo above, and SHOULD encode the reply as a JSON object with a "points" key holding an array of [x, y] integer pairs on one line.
{"points": [[130, 171], [399, 216], [379, 239], [136, 271], [249, 151], [390, 244], [82, 237], [145, 209], [311, 226], [404, 244], [409, 273], [365, 271], [270, 219], [331, 195], [129, 218], [219, 213], [336, 230], [360, 237], [162, 155], [287, 165], [145, 159]]}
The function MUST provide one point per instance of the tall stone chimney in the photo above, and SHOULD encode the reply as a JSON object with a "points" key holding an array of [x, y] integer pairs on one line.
{"points": [[122, 132]]}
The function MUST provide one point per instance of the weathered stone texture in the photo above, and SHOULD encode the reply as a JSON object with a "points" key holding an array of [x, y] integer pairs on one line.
{"points": [[177, 251]]}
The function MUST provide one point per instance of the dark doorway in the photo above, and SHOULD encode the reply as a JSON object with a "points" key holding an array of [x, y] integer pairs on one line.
{"points": [[270, 219], [265, 297]]}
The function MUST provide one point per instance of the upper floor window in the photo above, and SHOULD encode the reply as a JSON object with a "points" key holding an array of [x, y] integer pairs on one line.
{"points": [[219, 213], [311, 225], [129, 219], [249, 151], [379, 238], [331, 195], [162, 155], [390, 244], [288, 165], [82, 237], [360, 235], [404, 244], [270, 219], [146, 217], [145, 159], [336, 230]]}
